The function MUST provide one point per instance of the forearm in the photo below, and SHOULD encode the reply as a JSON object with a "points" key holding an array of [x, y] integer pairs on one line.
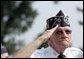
{"points": [[28, 50]]}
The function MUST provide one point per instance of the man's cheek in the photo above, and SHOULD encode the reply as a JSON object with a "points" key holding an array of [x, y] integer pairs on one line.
{"points": [[57, 38]]}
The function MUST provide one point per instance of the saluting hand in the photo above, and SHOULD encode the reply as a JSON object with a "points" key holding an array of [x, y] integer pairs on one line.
{"points": [[47, 34]]}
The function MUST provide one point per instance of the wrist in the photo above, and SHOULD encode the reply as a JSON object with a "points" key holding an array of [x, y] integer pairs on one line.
{"points": [[43, 39]]}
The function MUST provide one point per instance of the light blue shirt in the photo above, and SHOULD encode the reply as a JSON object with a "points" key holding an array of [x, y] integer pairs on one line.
{"points": [[48, 52]]}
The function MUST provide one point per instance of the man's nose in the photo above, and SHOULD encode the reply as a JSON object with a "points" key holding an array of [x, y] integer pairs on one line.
{"points": [[64, 35]]}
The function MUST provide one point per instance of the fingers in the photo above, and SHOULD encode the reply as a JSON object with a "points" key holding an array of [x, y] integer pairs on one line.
{"points": [[53, 29], [49, 33]]}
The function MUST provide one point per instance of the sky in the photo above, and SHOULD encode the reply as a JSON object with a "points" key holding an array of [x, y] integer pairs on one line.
{"points": [[47, 9]]}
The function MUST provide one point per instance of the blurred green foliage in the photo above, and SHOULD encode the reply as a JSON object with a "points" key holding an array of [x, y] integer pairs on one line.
{"points": [[16, 18], [80, 10]]}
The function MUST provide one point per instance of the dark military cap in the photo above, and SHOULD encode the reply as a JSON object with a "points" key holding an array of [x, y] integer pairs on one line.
{"points": [[60, 19], [3, 49]]}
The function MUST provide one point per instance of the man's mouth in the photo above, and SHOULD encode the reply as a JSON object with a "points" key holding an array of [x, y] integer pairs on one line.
{"points": [[63, 39]]}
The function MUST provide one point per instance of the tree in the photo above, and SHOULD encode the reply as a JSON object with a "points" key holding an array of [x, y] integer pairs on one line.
{"points": [[16, 18], [80, 22], [80, 10]]}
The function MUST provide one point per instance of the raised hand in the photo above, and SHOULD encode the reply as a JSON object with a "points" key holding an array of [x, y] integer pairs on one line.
{"points": [[47, 34]]}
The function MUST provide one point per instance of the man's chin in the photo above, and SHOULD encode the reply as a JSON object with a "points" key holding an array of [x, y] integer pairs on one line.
{"points": [[64, 43]]}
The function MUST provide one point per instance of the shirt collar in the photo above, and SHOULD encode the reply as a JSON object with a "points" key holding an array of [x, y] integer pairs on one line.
{"points": [[53, 51], [56, 53]]}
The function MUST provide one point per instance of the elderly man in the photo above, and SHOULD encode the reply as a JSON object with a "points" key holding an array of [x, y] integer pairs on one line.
{"points": [[58, 36]]}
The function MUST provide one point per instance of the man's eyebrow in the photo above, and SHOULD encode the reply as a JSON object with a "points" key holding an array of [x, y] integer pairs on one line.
{"points": [[59, 29], [62, 29]]}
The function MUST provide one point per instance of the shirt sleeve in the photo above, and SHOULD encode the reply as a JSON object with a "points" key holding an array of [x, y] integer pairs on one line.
{"points": [[74, 53], [79, 54], [36, 54]]}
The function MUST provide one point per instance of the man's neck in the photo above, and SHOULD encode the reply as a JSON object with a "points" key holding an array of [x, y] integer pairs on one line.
{"points": [[59, 49]]}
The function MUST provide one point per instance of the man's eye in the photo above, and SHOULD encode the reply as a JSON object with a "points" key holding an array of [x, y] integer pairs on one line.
{"points": [[68, 31], [59, 32]]}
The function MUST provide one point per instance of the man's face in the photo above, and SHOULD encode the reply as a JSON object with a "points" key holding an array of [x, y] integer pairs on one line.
{"points": [[61, 37]]}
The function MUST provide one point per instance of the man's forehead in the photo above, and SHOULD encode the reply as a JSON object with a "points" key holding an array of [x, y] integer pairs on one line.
{"points": [[65, 27]]}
